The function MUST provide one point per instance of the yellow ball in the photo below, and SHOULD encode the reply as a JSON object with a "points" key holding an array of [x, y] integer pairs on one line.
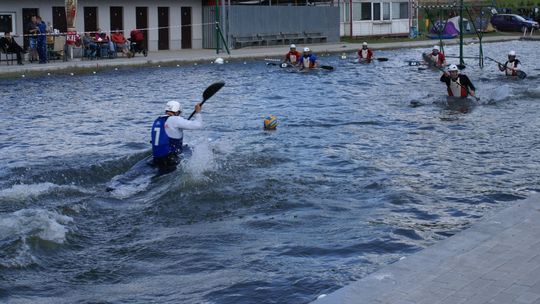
{"points": [[270, 122]]}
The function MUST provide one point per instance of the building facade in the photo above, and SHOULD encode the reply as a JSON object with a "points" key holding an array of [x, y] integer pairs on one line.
{"points": [[376, 18], [168, 24]]}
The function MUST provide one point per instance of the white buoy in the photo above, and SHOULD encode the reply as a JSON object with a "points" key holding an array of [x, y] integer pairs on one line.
{"points": [[245, 62], [93, 72], [219, 60], [195, 63], [159, 65], [23, 76], [71, 74], [116, 69], [177, 65], [48, 74]]}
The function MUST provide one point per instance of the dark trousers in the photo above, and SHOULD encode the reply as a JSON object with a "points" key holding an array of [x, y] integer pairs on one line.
{"points": [[166, 164], [18, 51], [42, 50]]}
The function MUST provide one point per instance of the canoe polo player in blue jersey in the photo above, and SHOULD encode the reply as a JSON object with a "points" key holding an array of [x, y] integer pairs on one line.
{"points": [[167, 134], [308, 60]]}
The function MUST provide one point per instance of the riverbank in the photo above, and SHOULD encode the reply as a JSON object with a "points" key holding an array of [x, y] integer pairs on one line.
{"points": [[192, 57], [497, 260]]}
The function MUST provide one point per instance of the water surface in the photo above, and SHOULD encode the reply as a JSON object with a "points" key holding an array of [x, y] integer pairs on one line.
{"points": [[353, 178]]}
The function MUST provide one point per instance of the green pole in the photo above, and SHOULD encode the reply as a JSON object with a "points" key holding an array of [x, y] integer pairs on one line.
{"points": [[461, 34], [222, 38], [217, 29]]}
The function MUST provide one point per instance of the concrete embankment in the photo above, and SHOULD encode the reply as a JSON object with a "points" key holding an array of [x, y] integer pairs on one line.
{"points": [[497, 260]]}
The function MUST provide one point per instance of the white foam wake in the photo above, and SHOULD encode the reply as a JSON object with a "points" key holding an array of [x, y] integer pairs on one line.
{"points": [[201, 161], [126, 189], [43, 224], [24, 191]]}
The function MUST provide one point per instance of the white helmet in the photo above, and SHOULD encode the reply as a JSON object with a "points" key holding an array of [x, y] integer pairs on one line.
{"points": [[173, 106], [436, 47], [306, 49], [453, 67], [293, 46], [365, 43], [512, 53]]}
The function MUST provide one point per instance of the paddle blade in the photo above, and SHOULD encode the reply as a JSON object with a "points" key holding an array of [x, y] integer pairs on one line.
{"points": [[461, 66], [212, 89], [209, 92], [521, 74], [382, 59], [327, 67]]}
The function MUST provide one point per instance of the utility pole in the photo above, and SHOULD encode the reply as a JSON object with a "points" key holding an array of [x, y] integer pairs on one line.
{"points": [[461, 62]]}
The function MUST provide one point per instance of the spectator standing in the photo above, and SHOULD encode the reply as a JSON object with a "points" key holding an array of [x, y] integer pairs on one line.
{"points": [[42, 40], [32, 31]]}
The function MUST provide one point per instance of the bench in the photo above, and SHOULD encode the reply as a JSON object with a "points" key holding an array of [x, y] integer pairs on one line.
{"points": [[288, 38], [312, 37], [241, 41], [269, 39]]}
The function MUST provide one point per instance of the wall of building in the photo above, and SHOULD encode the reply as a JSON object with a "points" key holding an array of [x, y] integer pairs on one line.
{"points": [[392, 17], [103, 16], [275, 20]]}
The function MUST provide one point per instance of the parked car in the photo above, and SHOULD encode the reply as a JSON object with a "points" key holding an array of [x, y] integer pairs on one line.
{"points": [[512, 22]]}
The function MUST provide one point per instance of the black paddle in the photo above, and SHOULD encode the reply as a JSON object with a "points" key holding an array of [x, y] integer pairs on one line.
{"points": [[417, 63], [360, 60], [327, 67], [209, 92], [520, 74]]}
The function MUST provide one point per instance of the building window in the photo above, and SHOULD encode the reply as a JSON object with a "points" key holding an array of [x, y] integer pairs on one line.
{"points": [[345, 14], [7, 22], [376, 11], [357, 11], [386, 11], [403, 10], [400, 10], [366, 11]]}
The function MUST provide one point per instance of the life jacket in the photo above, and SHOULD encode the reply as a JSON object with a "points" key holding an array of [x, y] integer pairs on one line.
{"points": [[162, 144], [456, 89], [293, 56], [308, 62], [365, 54], [436, 59], [509, 66]]}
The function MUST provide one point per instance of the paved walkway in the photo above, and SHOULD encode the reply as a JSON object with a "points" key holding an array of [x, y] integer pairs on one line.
{"points": [[207, 56], [497, 260]]}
